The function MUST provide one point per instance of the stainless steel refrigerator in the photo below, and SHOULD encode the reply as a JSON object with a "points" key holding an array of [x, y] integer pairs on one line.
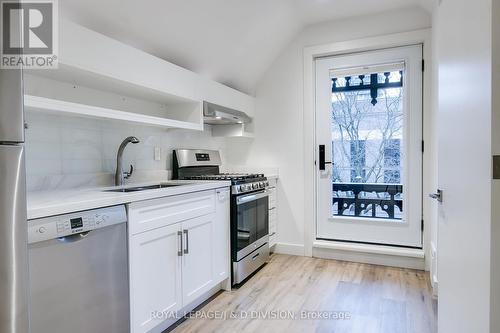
{"points": [[14, 293]]}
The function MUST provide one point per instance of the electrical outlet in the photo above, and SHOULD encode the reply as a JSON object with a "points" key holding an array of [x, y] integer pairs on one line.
{"points": [[157, 153]]}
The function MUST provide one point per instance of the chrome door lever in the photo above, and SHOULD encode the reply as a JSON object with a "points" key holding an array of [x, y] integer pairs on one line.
{"points": [[438, 195]]}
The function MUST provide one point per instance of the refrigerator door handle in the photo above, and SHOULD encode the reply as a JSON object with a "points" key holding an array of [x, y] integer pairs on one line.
{"points": [[14, 286]]}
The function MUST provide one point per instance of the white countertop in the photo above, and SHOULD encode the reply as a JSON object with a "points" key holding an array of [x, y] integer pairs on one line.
{"points": [[48, 203]]}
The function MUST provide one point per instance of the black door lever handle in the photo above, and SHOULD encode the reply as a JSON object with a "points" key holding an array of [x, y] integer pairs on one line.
{"points": [[322, 161]]}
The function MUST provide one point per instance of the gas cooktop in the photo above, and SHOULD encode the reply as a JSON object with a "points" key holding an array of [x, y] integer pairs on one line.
{"points": [[199, 164], [235, 178]]}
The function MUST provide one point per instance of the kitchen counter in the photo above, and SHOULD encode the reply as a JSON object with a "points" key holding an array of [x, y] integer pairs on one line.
{"points": [[48, 203]]}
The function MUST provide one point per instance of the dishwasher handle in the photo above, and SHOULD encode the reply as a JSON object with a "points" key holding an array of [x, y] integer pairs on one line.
{"points": [[73, 238]]}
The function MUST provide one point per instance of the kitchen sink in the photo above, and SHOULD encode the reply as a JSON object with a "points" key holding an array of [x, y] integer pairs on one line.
{"points": [[142, 188]]}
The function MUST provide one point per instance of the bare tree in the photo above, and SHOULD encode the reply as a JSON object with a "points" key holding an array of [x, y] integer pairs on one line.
{"points": [[365, 132]]}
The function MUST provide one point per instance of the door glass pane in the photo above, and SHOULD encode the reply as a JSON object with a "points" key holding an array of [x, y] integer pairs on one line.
{"points": [[247, 224], [367, 145], [262, 217]]}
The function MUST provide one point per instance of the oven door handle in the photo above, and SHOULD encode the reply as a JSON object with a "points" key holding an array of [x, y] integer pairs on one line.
{"points": [[251, 197]]}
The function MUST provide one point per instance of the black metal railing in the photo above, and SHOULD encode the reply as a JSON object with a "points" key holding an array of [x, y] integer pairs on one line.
{"points": [[368, 200]]}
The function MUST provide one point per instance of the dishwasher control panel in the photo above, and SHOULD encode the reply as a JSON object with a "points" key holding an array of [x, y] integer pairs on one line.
{"points": [[74, 223]]}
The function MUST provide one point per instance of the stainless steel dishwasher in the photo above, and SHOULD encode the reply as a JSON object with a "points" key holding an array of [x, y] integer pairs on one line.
{"points": [[79, 272]]}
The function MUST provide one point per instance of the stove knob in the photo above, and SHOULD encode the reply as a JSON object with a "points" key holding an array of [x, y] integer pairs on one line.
{"points": [[267, 183], [262, 184], [255, 186], [242, 188]]}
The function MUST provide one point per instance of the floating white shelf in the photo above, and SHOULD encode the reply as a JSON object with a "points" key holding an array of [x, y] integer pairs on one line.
{"points": [[36, 103]]}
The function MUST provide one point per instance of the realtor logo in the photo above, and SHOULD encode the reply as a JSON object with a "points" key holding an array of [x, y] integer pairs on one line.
{"points": [[28, 34]]}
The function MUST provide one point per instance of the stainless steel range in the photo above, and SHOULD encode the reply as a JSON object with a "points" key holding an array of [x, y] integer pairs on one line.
{"points": [[249, 207]]}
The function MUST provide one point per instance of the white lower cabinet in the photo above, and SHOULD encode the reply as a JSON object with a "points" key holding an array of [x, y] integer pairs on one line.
{"points": [[155, 276], [198, 257], [175, 264]]}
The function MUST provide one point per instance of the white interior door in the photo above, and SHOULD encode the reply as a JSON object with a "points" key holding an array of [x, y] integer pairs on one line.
{"points": [[465, 168], [369, 126]]}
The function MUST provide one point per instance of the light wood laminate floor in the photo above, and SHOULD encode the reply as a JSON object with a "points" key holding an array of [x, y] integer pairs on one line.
{"points": [[378, 299]]}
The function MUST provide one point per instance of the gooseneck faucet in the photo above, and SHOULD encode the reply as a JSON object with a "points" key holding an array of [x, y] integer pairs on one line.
{"points": [[120, 176]]}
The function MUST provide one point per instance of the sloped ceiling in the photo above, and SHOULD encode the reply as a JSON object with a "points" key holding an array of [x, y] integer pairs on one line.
{"points": [[230, 41]]}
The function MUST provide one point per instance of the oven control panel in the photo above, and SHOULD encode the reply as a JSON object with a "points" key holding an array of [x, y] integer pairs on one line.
{"points": [[249, 187], [74, 223]]}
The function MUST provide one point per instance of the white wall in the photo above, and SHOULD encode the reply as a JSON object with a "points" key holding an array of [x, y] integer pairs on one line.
{"points": [[495, 199], [69, 152], [279, 110]]}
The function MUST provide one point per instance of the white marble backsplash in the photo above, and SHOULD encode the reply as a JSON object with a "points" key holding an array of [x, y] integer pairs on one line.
{"points": [[64, 152], [67, 152], [267, 171], [72, 181]]}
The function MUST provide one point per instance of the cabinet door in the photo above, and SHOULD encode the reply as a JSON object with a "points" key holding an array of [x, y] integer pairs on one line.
{"points": [[197, 259], [221, 236], [155, 276], [272, 212]]}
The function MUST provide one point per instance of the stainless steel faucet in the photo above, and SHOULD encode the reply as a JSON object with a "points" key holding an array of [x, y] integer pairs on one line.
{"points": [[120, 176]]}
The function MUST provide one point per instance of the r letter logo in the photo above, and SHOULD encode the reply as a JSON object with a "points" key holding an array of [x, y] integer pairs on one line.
{"points": [[29, 34]]}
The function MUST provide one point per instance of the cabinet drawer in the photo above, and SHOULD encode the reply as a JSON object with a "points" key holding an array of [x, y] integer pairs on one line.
{"points": [[272, 229], [272, 214], [272, 240], [152, 214], [272, 198]]}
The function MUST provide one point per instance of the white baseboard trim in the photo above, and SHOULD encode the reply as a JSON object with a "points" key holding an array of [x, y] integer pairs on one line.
{"points": [[370, 248], [289, 248], [370, 254]]}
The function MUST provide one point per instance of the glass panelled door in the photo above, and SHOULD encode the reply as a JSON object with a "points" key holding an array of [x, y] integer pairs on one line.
{"points": [[369, 156]]}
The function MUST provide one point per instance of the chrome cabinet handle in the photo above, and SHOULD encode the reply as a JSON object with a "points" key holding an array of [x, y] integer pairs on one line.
{"points": [[438, 195], [179, 234], [186, 250]]}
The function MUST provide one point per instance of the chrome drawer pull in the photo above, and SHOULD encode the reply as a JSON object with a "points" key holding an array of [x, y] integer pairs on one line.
{"points": [[179, 252], [186, 250]]}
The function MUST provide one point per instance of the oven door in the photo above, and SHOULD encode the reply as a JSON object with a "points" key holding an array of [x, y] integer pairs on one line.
{"points": [[252, 222]]}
